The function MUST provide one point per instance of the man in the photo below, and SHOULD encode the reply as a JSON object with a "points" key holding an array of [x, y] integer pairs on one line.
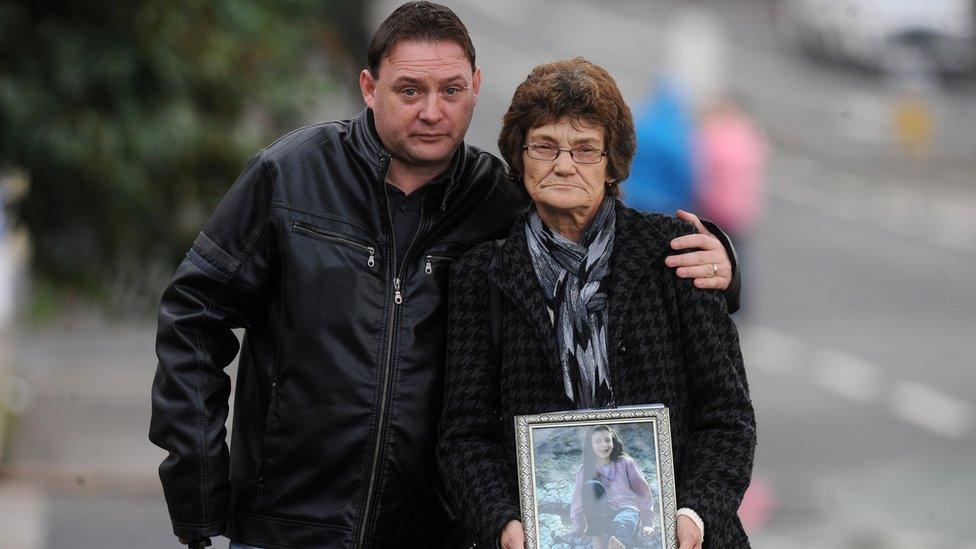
{"points": [[332, 251]]}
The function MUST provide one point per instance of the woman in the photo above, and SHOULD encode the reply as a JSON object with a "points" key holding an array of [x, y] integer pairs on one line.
{"points": [[612, 502], [591, 318]]}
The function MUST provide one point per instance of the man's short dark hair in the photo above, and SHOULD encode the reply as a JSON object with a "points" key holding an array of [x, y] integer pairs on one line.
{"points": [[420, 21]]}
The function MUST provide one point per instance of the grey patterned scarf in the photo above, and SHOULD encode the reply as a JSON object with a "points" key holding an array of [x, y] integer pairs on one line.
{"points": [[572, 276]]}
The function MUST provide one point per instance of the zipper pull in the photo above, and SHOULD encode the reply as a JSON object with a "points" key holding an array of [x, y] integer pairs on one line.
{"points": [[397, 296], [428, 268], [371, 262]]}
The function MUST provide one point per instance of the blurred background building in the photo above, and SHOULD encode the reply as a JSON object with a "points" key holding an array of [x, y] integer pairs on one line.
{"points": [[833, 137]]}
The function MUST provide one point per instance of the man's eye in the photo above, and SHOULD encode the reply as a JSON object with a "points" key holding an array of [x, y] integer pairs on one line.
{"points": [[409, 92], [452, 91]]}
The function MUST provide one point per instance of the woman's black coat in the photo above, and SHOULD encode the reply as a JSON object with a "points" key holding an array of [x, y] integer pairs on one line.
{"points": [[669, 343]]}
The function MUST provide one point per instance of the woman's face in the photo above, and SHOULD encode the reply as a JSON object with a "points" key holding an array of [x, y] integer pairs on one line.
{"points": [[563, 185], [602, 445]]}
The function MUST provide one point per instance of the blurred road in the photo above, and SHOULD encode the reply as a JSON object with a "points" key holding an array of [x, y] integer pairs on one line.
{"points": [[858, 324]]}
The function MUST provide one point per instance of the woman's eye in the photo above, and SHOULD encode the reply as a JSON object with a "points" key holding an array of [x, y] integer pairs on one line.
{"points": [[544, 148]]}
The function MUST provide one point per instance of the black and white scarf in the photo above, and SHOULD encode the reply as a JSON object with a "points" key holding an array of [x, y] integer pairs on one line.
{"points": [[572, 276]]}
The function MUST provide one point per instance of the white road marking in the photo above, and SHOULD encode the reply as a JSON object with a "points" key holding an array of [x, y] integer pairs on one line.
{"points": [[771, 350], [847, 375], [934, 410], [896, 209], [858, 380]]}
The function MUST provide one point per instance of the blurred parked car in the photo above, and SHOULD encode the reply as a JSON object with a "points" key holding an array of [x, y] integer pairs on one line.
{"points": [[882, 34]]}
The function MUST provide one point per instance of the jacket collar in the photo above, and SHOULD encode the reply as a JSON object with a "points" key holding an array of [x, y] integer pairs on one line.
{"points": [[513, 274], [637, 245], [366, 144]]}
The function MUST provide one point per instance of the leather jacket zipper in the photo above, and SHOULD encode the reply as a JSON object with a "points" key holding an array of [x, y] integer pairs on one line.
{"points": [[333, 237], [272, 403], [387, 371], [431, 259]]}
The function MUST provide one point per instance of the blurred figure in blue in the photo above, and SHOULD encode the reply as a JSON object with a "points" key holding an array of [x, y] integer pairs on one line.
{"points": [[691, 74], [662, 178]]}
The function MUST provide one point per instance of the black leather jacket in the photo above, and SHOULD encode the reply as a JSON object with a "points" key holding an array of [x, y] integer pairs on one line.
{"points": [[338, 390]]}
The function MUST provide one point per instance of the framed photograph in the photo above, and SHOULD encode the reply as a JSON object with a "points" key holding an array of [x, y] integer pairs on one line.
{"points": [[600, 479]]}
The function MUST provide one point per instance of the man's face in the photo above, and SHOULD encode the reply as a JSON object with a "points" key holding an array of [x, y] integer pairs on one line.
{"points": [[422, 100]]}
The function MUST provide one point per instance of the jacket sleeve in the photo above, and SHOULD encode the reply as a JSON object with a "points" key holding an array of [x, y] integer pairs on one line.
{"points": [[214, 290], [717, 457], [478, 473], [733, 293], [638, 484]]}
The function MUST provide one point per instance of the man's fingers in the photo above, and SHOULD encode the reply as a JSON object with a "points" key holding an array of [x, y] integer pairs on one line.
{"points": [[692, 259], [702, 271], [701, 241], [693, 219], [714, 283]]}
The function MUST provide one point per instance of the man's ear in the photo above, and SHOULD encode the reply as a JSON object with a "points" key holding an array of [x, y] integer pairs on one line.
{"points": [[367, 86], [476, 82]]}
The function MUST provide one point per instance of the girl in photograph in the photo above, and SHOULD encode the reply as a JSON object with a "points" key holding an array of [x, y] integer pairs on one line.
{"points": [[612, 502]]}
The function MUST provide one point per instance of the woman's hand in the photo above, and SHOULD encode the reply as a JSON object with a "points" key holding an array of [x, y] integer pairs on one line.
{"points": [[513, 536], [689, 536], [699, 264]]}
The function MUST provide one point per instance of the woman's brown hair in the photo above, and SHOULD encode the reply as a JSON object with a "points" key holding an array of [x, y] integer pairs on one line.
{"points": [[581, 91]]}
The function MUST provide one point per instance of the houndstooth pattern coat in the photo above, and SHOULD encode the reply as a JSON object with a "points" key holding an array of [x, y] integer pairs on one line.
{"points": [[669, 343]]}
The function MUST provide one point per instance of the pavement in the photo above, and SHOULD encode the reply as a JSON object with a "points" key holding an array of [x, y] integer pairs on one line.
{"points": [[80, 471]]}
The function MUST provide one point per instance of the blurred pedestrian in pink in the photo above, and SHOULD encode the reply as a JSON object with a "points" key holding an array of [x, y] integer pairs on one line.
{"points": [[730, 154]]}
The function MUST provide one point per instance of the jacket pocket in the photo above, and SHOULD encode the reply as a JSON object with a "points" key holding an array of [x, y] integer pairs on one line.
{"points": [[368, 251], [434, 261]]}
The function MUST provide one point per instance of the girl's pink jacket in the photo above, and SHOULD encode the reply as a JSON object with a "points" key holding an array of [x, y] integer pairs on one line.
{"points": [[626, 487]]}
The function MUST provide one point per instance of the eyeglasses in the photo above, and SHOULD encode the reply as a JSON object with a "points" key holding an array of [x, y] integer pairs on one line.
{"points": [[580, 155]]}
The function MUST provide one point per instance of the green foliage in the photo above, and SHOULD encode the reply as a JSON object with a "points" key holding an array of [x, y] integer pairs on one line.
{"points": [[133, 118]]}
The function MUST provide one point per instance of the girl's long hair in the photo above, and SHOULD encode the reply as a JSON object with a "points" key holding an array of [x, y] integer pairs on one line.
{"points": [[589, 458]]}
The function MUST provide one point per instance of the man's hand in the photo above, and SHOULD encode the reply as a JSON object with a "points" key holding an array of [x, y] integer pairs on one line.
{"points": [[689, 536], [710, 266], [513, 536]]}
